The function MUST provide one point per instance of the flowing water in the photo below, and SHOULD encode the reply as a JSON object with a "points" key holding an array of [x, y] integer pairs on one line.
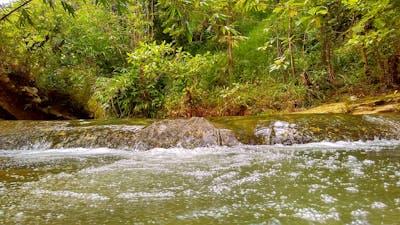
{"points": [[317, 183]]}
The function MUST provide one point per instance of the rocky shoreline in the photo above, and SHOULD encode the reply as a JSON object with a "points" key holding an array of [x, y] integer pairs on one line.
{"points": [[370, 105]]}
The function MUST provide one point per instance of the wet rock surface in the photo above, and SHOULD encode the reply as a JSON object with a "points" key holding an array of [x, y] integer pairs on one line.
{"points": [[300, 129], [281, 132], [39, 135], [197, 132], [187, 133]]}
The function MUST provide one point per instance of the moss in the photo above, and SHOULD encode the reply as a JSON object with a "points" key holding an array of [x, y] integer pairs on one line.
{"points": [[332, 127]]}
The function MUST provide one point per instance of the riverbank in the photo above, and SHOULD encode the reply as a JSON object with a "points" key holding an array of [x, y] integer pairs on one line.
{"points": [[21, 99], [359, 106]]}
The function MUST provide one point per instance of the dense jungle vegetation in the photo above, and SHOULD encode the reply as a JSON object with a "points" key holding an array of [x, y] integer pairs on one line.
{"points": [[159, 58]]}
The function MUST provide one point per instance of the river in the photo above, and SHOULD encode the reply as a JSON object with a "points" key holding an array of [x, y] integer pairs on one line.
{"points": [[97, 172], [316, 183]]}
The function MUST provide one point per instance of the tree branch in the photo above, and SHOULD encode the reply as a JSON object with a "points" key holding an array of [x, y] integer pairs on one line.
{"points": [[14, 10]]}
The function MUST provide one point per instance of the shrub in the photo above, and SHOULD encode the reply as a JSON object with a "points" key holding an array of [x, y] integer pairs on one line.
{"points": [[155, 81]]}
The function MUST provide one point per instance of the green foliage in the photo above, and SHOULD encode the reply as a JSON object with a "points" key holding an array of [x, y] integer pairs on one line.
{"points": [[156, 74], [66, 53], [251, 63], [376, 33], [21, 8], [203, 57]]}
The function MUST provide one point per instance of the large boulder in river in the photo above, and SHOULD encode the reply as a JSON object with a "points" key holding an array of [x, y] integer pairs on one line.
{"points": [[132, 135], [186, 133]]}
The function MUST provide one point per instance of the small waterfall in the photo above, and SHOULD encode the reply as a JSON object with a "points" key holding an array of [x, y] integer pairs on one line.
{"points": [[388, 122], [301, 129], [197, 132]]}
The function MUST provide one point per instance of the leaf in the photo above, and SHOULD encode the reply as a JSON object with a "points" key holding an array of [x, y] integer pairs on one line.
{"points": [[322, 12], [358, 28], [50, 2], [293, 13], [379, 23], [350, 3], [318, 10], [25, 17], [278, 10], [68, 8], [315, 129], [303, 20], [189, 33]]}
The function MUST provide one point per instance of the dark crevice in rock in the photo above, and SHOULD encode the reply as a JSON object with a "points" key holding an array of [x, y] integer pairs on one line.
{"points": [[21, 99], [6, 115]]}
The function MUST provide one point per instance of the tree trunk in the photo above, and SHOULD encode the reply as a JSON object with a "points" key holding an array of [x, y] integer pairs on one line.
{"points": [[230, 40], [230, 54], [292, 61], [329, 55], [364, 58], [394, 67], [326, 53], [278, 41], [152, 20], [323, 44], [382, 69]]}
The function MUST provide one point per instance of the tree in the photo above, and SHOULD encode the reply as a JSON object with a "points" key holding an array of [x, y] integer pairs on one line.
{"points": [[20, 7], [320, 15], [203, 20], [375, 33], [285, 11]]}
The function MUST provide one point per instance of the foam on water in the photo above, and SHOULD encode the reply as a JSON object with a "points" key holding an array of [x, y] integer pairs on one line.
{"points": [[328, 199], [359, 213], [313, 183], [374, 145], [215, 213], [312, 214], [53, 153], [136, 196], [352, 189], [370, 145], [378, 205], [71, 194]]}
